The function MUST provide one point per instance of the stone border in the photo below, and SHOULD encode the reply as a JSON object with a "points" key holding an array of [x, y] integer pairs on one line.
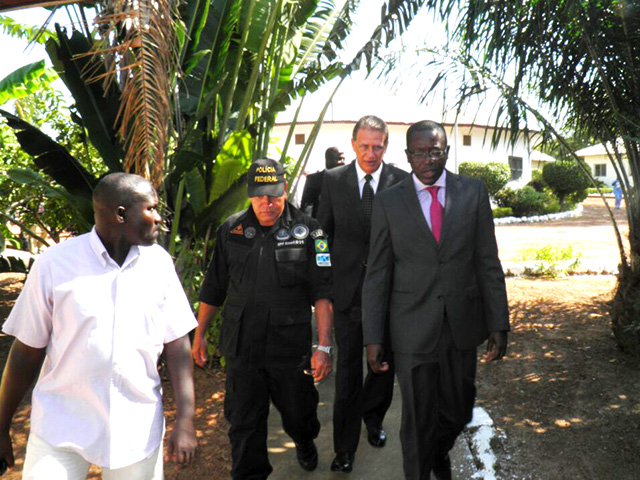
{"points": [[540, 218]]}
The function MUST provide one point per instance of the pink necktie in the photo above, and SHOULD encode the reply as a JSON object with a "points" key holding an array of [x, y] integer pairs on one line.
{"points": [[436, 212]]}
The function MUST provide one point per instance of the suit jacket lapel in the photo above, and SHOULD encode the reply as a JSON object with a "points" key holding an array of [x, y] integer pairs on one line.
{"points": [[450, 205], [352, 191], [410, 197], [386, 178]]}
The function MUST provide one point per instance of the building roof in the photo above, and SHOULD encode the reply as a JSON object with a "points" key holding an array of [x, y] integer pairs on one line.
{"points": [[598, 150], [537, 156]]}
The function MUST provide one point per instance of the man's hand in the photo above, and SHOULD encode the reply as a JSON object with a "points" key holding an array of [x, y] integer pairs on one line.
{"points": [[374, 357], [6, 449], [181, 444], [321, 364], [496, 346], [199, 349]]}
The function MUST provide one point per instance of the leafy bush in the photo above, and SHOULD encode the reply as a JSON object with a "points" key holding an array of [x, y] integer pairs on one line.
{"points": [[592, 190], [501, 212], [565, 178], [549, 261], [526, 202], [495, 175], [537, 182]]}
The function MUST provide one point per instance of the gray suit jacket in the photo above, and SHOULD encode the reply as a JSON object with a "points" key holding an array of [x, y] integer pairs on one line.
{"points": [[419, 280], [340, 214]]}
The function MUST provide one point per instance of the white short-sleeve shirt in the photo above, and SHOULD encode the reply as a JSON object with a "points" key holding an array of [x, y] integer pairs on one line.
{"points": [[104, 327]]}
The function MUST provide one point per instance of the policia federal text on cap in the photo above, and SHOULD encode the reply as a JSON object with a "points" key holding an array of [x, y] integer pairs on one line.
{"points": [[270, 263]]}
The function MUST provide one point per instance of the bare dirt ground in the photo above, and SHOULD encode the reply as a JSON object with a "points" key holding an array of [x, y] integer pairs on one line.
{"points": [[565, 399]]}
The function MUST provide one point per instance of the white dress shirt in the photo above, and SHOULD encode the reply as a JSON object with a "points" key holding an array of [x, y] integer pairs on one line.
{"points": [[425, 197], [375, 180], [104, 327]]}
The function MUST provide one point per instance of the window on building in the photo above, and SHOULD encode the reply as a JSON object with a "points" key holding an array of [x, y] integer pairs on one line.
{"points": [[300, 138], [600, 170], [466, 140], [515, 164]]}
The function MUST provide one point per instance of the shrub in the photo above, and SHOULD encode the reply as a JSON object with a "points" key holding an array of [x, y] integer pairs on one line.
{"points": [[537, 182], [501, 212], [526, 201], [549, 261], [495, 175], [565, 178]]}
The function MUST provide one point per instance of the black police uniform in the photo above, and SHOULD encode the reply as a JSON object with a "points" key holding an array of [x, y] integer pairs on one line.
{"points": [[270, 277]]}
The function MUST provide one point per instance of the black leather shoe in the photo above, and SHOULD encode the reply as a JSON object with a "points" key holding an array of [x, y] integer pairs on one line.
{"points": [[442, 468], [377, 436], [307, 455], [343, 462]]}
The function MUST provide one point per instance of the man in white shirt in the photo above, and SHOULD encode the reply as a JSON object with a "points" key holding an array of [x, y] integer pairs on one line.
{"points": [[93, 318]]}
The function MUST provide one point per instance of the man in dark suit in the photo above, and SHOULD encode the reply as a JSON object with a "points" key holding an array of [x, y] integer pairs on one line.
{"points": [[434, 264], [333, 157], [345, 213]]}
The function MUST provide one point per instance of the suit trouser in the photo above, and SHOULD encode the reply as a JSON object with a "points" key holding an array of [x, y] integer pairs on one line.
{"points": [[353, 399], [438, 393], [246, 407]]}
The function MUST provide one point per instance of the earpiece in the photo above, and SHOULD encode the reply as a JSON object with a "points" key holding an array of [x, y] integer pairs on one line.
{"points": [[121, 212]]}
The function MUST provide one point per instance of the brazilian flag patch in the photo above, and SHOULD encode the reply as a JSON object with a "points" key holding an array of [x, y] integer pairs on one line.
{"points": [[321, 245]]}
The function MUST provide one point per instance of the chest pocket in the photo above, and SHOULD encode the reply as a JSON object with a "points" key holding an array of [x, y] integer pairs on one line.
{"points": [[291, 263], [237, 259]]}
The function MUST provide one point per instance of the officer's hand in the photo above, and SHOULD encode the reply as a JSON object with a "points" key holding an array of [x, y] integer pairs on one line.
{"points": [[374, 357], [496, 346], [199, 350], [181, 444], [320, 365]]}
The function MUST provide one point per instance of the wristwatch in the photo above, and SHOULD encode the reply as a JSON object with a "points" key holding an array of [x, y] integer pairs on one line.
{"points": [[326, 349]]}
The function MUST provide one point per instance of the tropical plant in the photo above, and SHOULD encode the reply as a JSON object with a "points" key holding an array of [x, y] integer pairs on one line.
{"points": [[579, 61]]}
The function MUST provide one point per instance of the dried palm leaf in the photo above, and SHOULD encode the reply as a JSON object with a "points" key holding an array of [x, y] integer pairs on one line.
{"points": [[137, 50]]}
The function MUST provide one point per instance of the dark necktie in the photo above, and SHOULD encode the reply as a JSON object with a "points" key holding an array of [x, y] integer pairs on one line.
{"points": [[367, 201], [436, 212]]}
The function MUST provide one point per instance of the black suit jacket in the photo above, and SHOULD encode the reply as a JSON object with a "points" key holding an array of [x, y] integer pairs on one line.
{"points": [[419, 279], [311, 193], [340, 214]]}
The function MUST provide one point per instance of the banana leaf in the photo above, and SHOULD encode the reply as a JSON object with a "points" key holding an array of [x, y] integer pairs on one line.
{"points": [[52, 158]]}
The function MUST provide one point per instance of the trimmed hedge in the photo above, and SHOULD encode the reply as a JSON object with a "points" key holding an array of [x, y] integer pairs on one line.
{"points": [[495, 175]]}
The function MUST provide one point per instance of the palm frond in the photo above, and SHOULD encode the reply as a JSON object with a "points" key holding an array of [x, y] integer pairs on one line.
{"points": [[137, 48]]}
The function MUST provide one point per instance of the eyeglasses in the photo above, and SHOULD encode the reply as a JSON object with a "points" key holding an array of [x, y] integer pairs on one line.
{"points": [[436, 154]]}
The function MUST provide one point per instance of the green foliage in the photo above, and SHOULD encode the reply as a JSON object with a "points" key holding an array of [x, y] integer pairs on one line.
{"points": [[526, 202], [25, 81], [495, 175], [537, 182], [31, 34], [501, 212], [594, 191], [32, 198], [548, 261], [566, 179]]}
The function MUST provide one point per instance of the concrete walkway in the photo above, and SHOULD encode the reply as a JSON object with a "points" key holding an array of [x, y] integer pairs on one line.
{"points": [[370, 463]]}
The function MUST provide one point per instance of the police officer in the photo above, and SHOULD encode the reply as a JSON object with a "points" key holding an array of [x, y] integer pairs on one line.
{"points": [[270, 263]]}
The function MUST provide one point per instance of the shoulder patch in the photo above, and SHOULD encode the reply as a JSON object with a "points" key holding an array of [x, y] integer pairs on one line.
{"points": [[237, 230], [321, 245], [323, 259], [318, 233]]}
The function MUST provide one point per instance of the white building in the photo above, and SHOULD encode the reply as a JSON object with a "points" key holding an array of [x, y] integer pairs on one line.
{"points": [[601, 168], [468, 144]]}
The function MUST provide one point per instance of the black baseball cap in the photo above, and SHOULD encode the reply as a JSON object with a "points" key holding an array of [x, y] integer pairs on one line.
{"points": [[265, 177]]}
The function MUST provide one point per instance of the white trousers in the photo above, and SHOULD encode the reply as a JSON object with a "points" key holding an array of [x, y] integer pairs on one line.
{"points": [[46, 462]]}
